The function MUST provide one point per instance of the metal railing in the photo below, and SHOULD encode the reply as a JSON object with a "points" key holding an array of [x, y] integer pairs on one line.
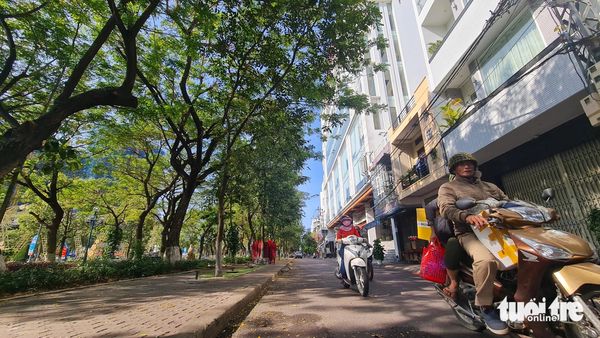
{"points": [[417, 172], [404, 112]]}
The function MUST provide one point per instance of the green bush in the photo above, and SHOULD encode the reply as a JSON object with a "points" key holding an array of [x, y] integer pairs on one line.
{"points": [[378, 251], [594, 223], [50, 276]]}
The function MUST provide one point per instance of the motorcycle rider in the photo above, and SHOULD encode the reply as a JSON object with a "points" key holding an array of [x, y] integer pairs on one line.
{"points": [[467, 184], [346, 229]]}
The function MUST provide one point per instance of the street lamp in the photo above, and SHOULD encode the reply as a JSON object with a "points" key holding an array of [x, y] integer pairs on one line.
{"points": [[92, 222]]}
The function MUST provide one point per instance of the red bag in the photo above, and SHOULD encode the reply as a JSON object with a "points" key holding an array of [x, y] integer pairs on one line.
{"points": [[432, 263]]}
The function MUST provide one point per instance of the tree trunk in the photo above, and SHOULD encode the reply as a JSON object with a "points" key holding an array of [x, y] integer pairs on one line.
{"points": [[173, 227], [201, 248], [10, 193], [138, 250], [53, 233], [220, 226], [2, 264]]}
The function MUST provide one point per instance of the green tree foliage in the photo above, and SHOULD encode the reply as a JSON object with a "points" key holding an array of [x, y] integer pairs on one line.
{"points": [[452, 111], [57, 60], [223, 62], [594, 223], [233, 241], [309, 244], [43, 175]]}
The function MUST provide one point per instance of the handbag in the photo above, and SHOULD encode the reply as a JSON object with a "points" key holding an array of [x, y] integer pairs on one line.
{"points": [[432, 263]]}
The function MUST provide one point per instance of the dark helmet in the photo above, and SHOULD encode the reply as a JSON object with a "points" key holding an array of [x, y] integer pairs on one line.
{"points": [[460, 157]]}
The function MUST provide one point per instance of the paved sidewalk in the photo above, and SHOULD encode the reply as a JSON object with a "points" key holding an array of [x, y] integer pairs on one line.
{"points": [[170, 305]]}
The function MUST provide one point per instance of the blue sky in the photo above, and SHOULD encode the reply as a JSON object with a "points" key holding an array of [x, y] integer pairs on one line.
{"points": [[313, 170]]}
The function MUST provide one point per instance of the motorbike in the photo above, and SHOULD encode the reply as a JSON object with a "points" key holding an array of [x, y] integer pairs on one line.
{"points": [[357, 263], [549, 265]]}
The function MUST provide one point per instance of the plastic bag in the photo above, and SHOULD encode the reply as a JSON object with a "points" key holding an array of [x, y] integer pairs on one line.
{"points": [[432, 263]]}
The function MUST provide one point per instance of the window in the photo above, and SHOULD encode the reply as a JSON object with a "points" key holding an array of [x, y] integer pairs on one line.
{"points": [[515, 46], [357, 147]]}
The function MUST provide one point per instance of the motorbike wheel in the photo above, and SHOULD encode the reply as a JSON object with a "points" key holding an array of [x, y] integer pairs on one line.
{"points": [[583, 329], [370, 268], [362, 281], [465, 320]]}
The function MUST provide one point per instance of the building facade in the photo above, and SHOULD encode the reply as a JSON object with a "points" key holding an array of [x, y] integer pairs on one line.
{"points": [[492, 78]]}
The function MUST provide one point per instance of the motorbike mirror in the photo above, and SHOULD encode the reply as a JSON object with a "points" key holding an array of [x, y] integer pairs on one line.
{"points": [[465, 203], [548, 194]]}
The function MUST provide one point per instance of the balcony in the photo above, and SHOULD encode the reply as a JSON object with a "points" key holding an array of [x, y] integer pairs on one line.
{"points": [[530, 107], [403, 113], [454, 39]]}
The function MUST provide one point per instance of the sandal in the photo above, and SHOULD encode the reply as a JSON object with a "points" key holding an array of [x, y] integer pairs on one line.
{"points": [[451, 293]]}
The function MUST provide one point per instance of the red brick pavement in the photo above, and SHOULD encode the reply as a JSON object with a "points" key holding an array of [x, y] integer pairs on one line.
{"points": [[171, 305]]}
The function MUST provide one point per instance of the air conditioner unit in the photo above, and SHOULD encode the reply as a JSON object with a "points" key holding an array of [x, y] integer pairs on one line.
{"points": [[591, 106], [594, 75], [364, 166]]}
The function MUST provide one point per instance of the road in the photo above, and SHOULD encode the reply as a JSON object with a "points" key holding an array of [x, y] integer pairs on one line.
{"points": [[309, 301]]}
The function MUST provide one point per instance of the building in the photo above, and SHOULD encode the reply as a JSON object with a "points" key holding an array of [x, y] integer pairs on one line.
{"points": [[491, 78], [356, 161], [504, 65]]}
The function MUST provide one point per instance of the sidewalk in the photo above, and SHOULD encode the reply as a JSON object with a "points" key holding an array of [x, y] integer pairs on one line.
{"points": [[169, 305]]}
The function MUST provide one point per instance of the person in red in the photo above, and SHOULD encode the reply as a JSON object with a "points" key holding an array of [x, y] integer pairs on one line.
{"points": [[346, 229], [273, 249]]}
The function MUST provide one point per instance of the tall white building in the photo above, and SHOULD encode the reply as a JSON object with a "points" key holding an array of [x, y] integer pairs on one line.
{"points": [[353, 151]]}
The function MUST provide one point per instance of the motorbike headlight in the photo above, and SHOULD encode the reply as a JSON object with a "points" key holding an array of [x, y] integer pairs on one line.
{"points": [[547, 251]]}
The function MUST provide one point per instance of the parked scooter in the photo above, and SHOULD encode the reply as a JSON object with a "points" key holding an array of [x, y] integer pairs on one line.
{"points": [[357, 252], [550, 264]]}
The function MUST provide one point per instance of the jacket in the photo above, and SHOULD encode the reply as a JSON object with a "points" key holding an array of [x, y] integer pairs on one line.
{"points": [[462, 187]]}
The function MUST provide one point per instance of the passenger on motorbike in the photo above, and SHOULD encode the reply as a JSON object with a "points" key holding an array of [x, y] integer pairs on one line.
{"points": [[454, 254], [467, 184], [346, 229]]}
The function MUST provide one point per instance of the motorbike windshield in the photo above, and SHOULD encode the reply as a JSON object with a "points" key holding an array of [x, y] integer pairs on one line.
{"points": [[529, 212]]}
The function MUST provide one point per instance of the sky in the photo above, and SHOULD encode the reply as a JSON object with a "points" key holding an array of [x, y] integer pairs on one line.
{"points": [[314, 171]]}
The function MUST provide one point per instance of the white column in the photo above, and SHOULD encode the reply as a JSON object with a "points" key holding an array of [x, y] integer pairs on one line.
{"points": [[394, 234]]}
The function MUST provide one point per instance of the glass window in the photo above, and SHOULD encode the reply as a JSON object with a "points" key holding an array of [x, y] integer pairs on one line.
{"points": [[516, 46], [357, 148]]}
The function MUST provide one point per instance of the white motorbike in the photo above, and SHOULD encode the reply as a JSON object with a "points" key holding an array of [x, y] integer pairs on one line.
{"points": [[359, 270]]}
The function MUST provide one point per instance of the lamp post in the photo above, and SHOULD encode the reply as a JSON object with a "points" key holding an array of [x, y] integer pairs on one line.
{"points": [[92, 222]]}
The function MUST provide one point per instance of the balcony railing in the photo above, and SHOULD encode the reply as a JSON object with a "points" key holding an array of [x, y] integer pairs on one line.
{"points": [[416, 172], [404, 112]]}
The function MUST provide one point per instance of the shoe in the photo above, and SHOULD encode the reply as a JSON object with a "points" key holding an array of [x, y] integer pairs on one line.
{"points": [[492, 321], [338, 275]]}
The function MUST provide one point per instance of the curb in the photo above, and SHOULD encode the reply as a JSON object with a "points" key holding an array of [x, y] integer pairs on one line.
{"points": [[214, 328]]}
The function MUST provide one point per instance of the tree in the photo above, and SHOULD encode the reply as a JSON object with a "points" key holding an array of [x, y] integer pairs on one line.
{"points": [[309, 245], [43, 176], [136, 154], [233, 240], [35, 96], [222, 62]]}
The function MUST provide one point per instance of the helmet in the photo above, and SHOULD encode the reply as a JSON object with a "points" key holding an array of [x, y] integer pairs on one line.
{"points": [[460, 157], [345, 217]]}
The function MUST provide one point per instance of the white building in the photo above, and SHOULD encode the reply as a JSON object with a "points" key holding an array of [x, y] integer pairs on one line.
{"points": [[356, 165]]}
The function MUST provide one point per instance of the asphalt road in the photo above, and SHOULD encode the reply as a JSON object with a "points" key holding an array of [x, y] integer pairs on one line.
{"points": [[309, 301]]}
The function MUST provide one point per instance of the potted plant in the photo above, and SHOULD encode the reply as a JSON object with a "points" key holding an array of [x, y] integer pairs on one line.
{"points": [[378, 251]]}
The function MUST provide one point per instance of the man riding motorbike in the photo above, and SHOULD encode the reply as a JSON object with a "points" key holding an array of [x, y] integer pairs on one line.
{"points": [[467, 184]]}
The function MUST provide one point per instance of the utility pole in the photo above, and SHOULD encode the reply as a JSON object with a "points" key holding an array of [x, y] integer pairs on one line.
{"points": [[579, 25]]}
